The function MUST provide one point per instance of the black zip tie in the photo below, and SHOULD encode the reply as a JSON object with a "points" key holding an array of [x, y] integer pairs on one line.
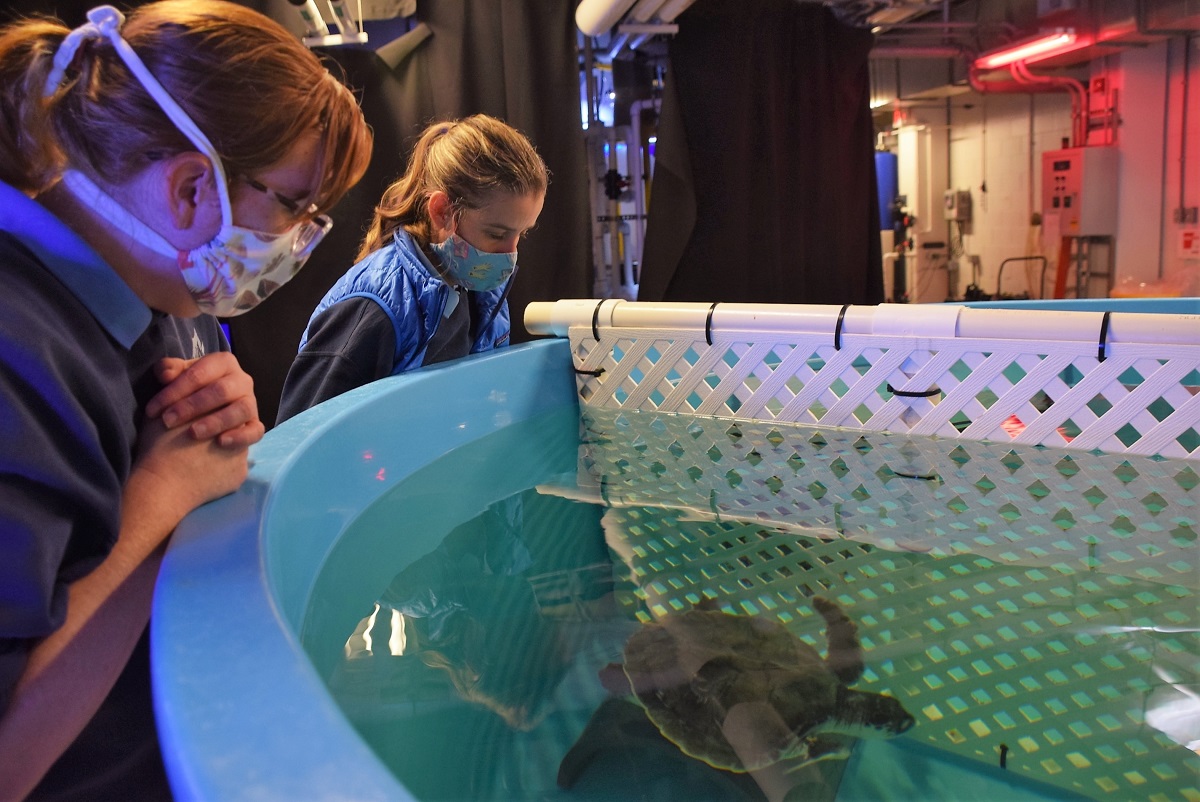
{"points": [[708, 325], [924, 477], [837, 330], [1103, 337], [914, 393], [595, 372], [596, 321]]}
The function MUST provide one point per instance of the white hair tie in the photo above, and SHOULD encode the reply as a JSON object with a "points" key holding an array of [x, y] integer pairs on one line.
{"points": [[104, 22]]}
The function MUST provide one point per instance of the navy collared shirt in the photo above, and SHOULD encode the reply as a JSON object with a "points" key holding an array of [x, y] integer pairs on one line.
{"points": [[77, 349]]}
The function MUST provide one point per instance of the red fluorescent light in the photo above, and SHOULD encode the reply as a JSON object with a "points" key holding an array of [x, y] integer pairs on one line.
{"points": [[1040, 47]]}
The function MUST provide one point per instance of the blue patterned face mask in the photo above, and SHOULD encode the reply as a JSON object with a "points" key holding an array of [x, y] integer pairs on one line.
{"points": [[469, 267]]}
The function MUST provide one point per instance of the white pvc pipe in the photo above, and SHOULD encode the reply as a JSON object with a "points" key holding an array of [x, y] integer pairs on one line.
{"points": [[1030, 324], [644, 10], [906, 320], [554, 318], [910, 320], [672, 9], [649, 315], [594, 17], [775, 317]]}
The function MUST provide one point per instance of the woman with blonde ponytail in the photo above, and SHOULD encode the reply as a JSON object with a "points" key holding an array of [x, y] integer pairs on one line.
{"points": [[156, 172], [432, 278]]}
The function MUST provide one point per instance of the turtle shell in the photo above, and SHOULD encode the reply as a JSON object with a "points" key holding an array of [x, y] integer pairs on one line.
{"points": [[738, 692]]}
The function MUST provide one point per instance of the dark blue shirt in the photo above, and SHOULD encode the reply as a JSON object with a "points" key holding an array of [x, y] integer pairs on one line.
{"points": [[77, 348]]}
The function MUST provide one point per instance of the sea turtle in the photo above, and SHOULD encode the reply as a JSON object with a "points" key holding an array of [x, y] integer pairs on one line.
{"points": [[742, 692]]}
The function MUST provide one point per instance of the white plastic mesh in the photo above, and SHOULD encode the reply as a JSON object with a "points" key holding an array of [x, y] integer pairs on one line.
{"points": [[1018, 547], [1140, 399], [1019, 596]]}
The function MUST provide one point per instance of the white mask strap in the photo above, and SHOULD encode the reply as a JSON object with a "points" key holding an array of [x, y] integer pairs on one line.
{"points": [[105, 23], [71, 43], [104, 205]]}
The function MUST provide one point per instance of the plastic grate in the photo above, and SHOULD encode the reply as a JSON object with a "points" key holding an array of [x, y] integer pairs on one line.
{"points": [[1140, 399], [1037, 598]]}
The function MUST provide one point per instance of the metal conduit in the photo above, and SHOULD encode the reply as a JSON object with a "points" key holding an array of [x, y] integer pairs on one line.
{"points": [[1079, 100]]}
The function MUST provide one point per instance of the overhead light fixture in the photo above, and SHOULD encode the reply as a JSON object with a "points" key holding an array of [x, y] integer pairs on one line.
{"points": [[1037, 48]]}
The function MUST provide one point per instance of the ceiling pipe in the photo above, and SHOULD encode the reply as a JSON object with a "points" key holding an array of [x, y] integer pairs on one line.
{"points": [[594, 17], [940, 26], [647, 28], [1143, 24], [1079, 99], [915, 51], [639, 40], [643, 32], [672, 9], [614, 48], [1025, 82], [644, 10], [1002, 87], [899, 12]]}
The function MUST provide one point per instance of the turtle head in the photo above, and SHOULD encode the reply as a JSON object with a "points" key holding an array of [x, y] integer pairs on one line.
{"points": [[868, 715]]}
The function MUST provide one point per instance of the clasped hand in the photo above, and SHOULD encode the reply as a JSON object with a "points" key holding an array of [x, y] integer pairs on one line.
{"points": [[193, 446], [212, 396]]}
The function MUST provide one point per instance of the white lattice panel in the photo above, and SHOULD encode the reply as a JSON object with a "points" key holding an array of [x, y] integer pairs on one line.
{"points": [[1033, 599], [1010, 517], [1132, 516], [1063, 669], [1075, 387]]}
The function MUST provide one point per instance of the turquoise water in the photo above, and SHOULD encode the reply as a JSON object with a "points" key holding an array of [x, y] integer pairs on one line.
{"points": [[1027, 607]]}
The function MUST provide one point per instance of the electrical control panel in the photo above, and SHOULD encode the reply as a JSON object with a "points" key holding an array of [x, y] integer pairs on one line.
{"points": [[957, 205], [1079, 189]]}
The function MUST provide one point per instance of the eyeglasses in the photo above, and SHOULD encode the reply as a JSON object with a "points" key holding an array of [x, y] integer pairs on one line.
{"points": [[294, 207]]}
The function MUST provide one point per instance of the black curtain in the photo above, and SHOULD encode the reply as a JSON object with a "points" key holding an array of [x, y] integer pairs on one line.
{"points": [[764, 182], [513, 59]]}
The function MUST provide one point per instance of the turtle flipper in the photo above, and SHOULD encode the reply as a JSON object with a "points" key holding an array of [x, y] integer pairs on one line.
{"points": [[620, 735], [614, 722], [844, 657], [867, 715], [825, 748], [816, 748], [613, 679]]}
